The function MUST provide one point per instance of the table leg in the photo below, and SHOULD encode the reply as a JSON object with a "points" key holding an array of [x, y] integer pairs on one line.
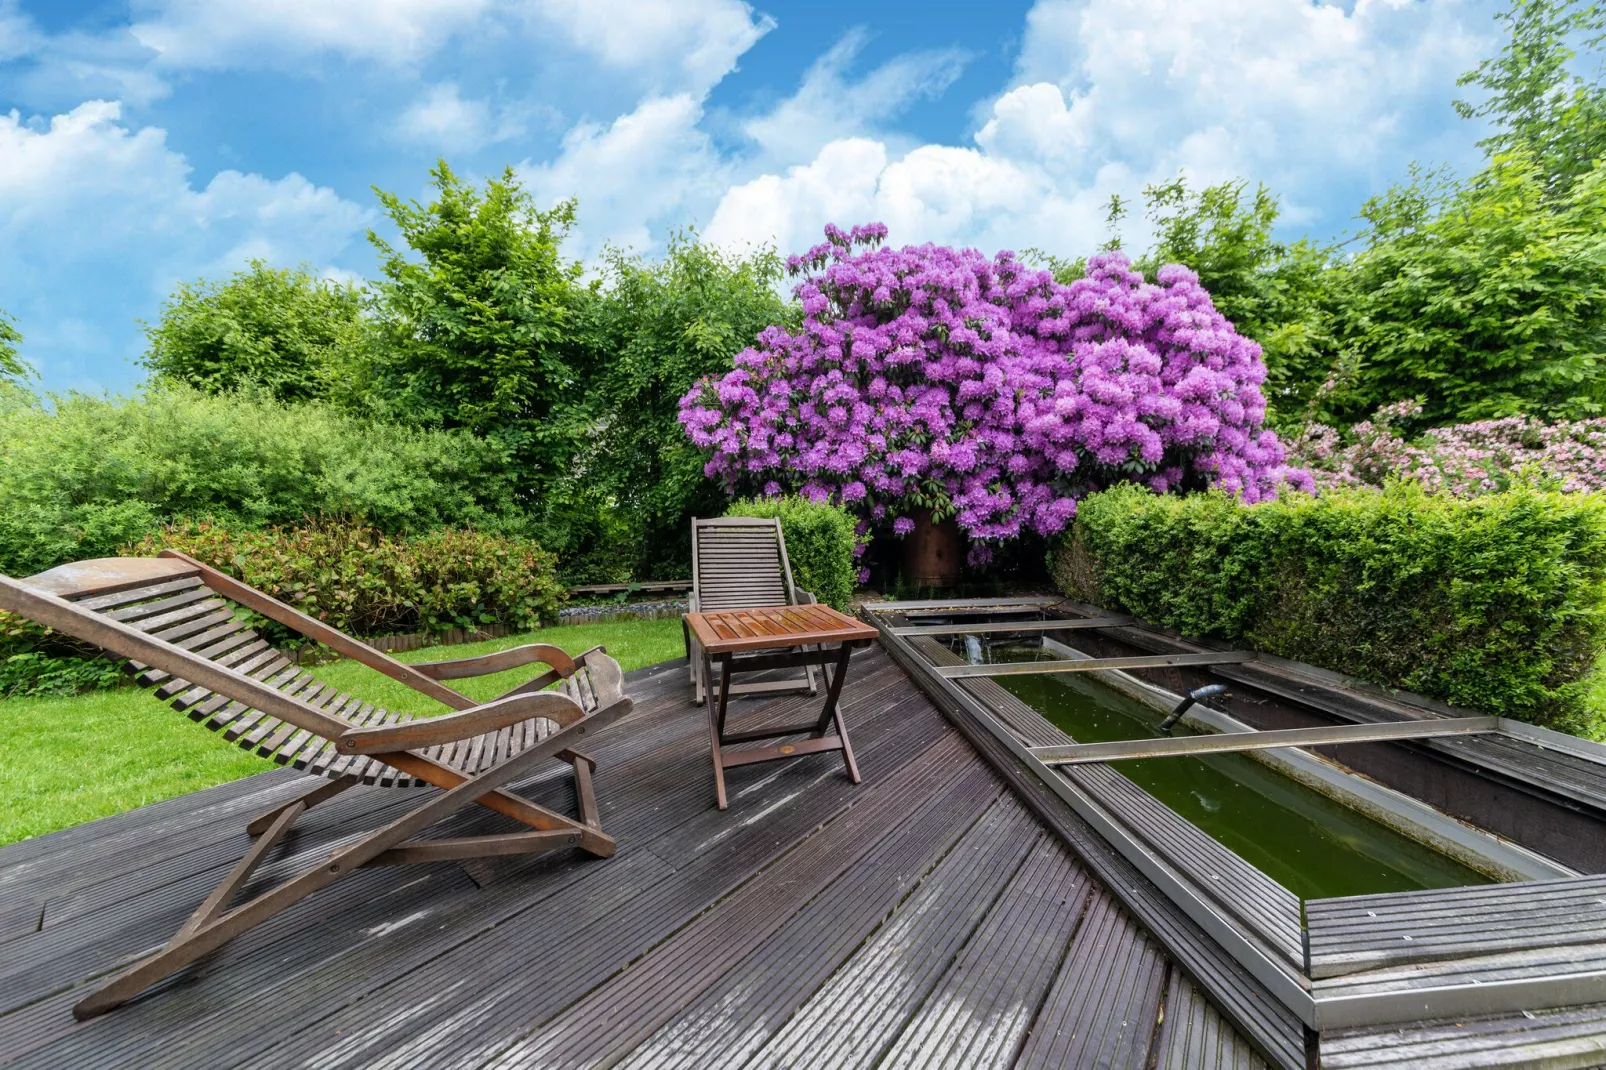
{"points": [[832, 714], [716, 720]]}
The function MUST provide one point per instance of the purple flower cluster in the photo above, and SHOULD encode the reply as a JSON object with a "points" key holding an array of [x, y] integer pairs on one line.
{"points": [[930, 375], [1465, 460]]}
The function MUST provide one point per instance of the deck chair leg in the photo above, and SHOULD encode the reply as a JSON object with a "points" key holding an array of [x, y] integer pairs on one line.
{"points": [[206, 931], [327, 790], [585, 792], [186, 945]]}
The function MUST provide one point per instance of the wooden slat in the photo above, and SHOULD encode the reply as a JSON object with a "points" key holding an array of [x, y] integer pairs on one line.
{"points": [[1375, 931]]}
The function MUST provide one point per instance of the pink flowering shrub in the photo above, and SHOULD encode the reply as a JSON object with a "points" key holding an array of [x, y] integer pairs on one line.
{"points": [[1485, 457], [932, 376]]}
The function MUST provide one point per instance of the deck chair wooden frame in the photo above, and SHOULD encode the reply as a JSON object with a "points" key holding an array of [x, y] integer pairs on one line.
{"points": [[170, 618], [739, 562]]}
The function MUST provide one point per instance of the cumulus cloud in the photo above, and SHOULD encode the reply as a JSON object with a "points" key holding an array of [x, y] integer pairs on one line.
{"points": [[635, 177], [829, 105], [70, 284], [444, 120], [698, 40], [1322, 103]]}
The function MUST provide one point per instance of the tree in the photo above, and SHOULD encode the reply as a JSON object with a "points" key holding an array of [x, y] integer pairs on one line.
{"points": [[12, 368], [1537, 103], [656, 327], [1482, 300], [284, 330], [473, 332]]}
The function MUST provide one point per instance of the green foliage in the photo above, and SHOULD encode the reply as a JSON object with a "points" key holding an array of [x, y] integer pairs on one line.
{"points": [[1482, 300], [654, 328], [820, 543], [86, 475], [35, 660], [1496, 603], [288, 332], [366, 583], [1538, 105], [11, 366], [476, 335]]}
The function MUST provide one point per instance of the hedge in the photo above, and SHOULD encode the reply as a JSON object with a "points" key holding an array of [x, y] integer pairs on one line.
{"points": [[1496, 603], [820, 544], [343, 572]]}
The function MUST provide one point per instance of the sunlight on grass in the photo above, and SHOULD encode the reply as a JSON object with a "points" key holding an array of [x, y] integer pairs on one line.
{"points": [[68, 760]]}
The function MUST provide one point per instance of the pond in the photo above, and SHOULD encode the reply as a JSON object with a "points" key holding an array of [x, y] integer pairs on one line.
{"points": [[1313, 845]]}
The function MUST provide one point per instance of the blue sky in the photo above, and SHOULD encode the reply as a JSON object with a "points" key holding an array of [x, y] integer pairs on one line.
{"points": [[145, 142]]}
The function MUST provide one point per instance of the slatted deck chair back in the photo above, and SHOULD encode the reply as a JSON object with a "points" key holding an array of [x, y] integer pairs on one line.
{"points": [[739, 562], [179, 628]]}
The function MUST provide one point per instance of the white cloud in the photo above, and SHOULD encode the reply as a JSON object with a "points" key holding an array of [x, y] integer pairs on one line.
{"points": [[828, 106], [212, 34], [694, 42], [444, 120], [100, 220], [635, 177], [674, 44], [1322, 104]]}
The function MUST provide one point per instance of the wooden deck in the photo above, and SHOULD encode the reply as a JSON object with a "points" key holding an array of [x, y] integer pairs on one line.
{"points": [[925, 918]]}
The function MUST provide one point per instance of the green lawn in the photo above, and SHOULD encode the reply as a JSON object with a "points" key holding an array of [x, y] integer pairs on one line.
{"points": [[68, 760]]}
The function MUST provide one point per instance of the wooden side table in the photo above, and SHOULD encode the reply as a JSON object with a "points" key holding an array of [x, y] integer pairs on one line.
{"points": [[783, 631]]}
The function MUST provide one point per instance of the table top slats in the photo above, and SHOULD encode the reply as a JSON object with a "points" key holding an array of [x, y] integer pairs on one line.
{"points": [[728, 631]]}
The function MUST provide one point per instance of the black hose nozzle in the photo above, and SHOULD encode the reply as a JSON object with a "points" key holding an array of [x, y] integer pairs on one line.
{"points": [[1198, 694]]}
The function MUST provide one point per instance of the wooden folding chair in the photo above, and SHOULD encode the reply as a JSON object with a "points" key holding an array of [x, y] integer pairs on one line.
{"points": [[171, 618], [739, 562]]}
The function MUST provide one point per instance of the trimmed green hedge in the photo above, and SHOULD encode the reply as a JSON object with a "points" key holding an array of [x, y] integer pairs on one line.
{"points": [[819, 543], [365, 582], [1496, 603]]}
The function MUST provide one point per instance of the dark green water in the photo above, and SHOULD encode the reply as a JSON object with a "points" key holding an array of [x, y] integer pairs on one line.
{"points": [[1312, 845]]}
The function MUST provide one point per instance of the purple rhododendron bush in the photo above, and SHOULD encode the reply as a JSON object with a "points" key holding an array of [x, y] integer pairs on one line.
{"points": [[929, 376], [1465, 460]]}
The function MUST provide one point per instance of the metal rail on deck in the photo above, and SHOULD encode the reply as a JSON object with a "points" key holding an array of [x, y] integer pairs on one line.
{"points": [[1058, 624], [1166, 747], [1147, 661]]}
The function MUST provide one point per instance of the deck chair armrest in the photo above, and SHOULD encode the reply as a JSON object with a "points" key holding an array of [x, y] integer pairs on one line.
{"points": [[502, 659], [449, 728], [806, 598]]}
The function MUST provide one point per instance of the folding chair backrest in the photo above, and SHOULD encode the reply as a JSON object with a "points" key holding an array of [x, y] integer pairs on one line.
{"points": [[740, 562]]}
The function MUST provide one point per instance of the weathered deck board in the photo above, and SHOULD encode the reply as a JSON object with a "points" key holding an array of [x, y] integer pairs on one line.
{"points": [[1105, 1006], [1194, 1036], [925, 917], [1375, 931]]}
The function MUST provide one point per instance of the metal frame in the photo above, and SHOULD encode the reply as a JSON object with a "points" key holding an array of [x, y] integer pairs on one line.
{"points": [[1297, 992], [1147, 661], [1112, 621], [1224, 743]]}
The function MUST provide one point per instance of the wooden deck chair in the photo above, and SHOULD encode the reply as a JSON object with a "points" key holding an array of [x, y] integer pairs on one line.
{"points": [[170, 617], [738, 562]]}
